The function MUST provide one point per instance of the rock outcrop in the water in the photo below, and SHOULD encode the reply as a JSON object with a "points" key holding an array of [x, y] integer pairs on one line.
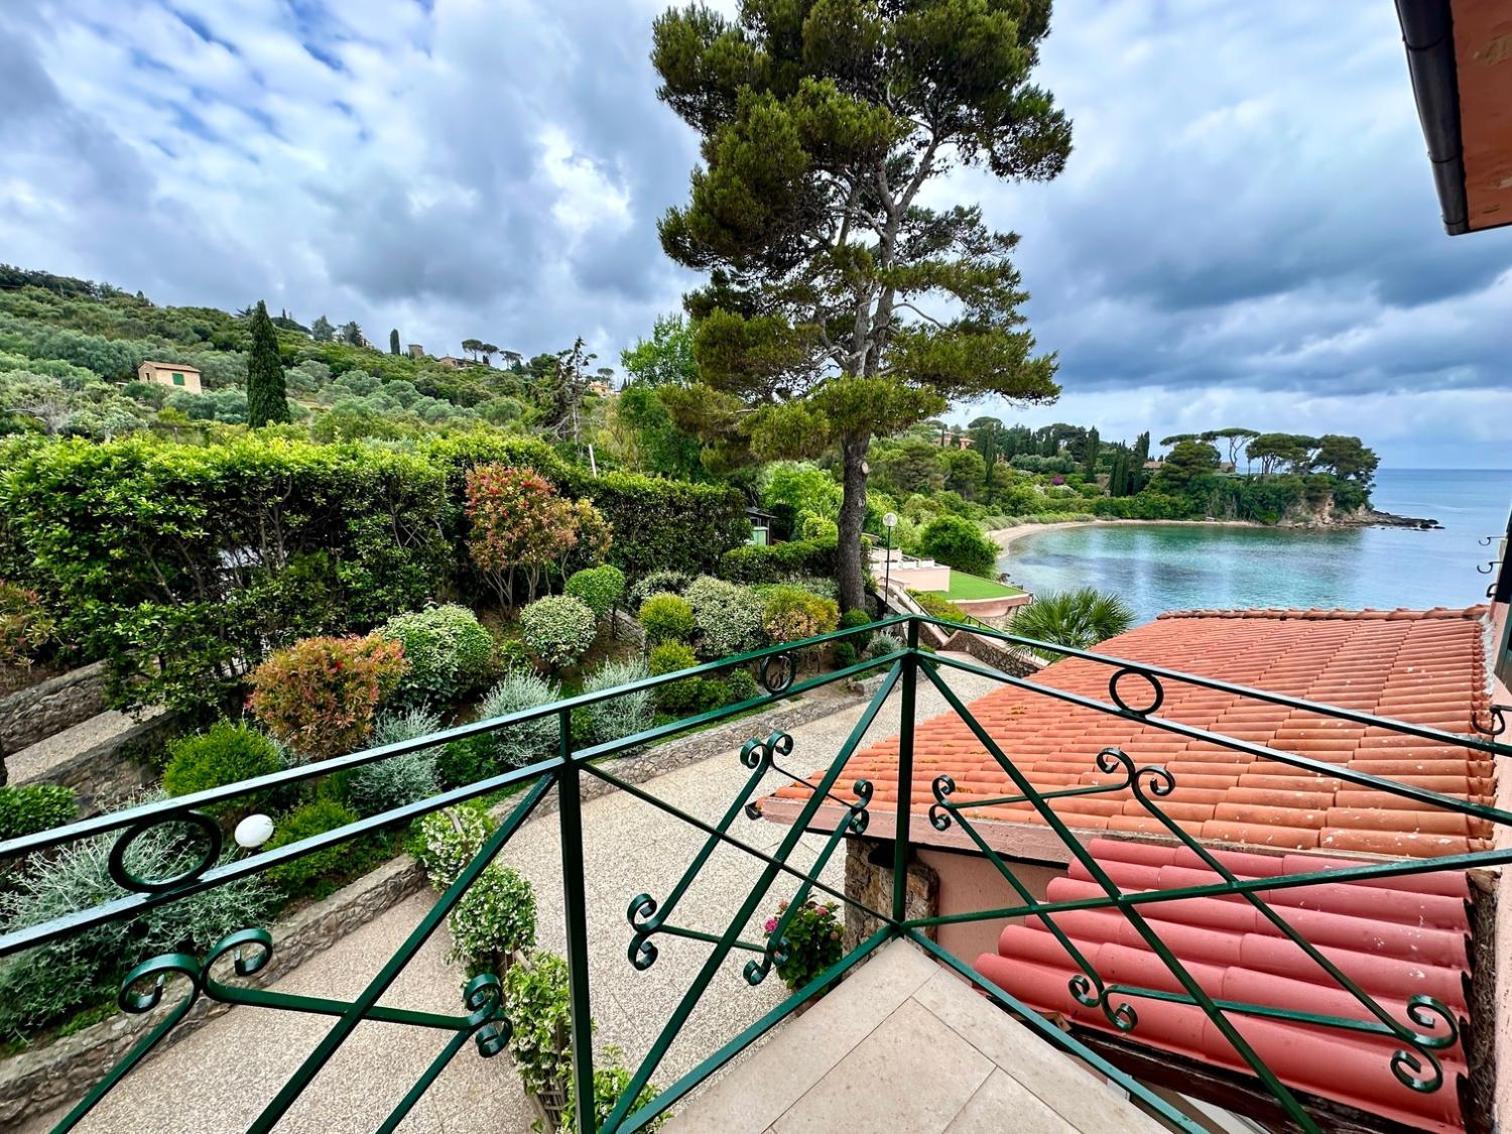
{"points": [[1328, 516]]}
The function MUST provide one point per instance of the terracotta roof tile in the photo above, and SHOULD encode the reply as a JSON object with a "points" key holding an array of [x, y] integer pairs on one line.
{"points": [[1394, 938], [1425, 667]]}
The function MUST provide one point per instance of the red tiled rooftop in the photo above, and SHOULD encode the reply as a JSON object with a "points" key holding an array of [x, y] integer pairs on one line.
{"points": [[1395, 938], [1425, 667]]}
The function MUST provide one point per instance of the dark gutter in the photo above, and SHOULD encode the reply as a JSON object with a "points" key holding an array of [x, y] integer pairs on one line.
{"points": [[1428, 34]]}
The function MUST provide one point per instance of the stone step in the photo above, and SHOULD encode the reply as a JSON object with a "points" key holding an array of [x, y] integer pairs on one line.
{"points": [[88, 756]]}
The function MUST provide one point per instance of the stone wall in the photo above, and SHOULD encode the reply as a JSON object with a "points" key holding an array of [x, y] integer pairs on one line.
{"points": [[38, 1081], [115, 767], [783, 716], [39, 711], [869, 880], [1000, 655]]}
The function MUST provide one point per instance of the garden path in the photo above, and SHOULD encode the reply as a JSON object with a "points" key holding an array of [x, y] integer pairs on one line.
{"points": [[219, 1077]]}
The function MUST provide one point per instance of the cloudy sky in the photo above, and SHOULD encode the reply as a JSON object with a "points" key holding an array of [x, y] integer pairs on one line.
{"points": [[1246, 232]]}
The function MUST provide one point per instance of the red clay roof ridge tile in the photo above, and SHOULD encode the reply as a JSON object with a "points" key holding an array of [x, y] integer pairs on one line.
{"points": [[1317, 614]]}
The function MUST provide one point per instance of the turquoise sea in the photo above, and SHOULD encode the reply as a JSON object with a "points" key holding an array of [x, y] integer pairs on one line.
{"points": [[1158, 568]]}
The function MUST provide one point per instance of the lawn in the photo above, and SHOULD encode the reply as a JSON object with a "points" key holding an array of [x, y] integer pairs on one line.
{"points": [[964, 588]]}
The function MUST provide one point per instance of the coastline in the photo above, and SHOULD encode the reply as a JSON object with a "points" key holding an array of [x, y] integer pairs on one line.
{"points": [[1006, 537]]}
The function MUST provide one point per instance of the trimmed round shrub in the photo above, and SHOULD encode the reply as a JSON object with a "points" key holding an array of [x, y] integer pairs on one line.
{"points": [[494, 921], [666, 617], [958, 542], [791, 613], [741, 685], [599, 588], [225, 753], [399, 780], [669, 657], [446, 841], [677, 697], [313, 818], [464, 762], [673, 582], [558, 629], [30, 808], [449, 653], [726, 615], [622, 716], [850, 620], [319, 696]]}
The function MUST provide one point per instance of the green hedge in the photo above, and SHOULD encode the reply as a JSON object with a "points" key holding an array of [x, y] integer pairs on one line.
{"points": [[665, 524], [182, 565], [30, 808], [779, 562], [658, 524]]}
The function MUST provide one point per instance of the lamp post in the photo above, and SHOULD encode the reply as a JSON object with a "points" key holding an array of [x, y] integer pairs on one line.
{"points": [[889, 521]]}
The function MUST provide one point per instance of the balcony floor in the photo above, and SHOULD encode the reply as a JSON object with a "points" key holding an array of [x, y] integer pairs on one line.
{"points": [[904, 1045]]}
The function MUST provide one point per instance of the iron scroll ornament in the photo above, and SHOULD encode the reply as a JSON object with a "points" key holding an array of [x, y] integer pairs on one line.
{"points": [[1087, 987], [144, 988], [646, 916]]}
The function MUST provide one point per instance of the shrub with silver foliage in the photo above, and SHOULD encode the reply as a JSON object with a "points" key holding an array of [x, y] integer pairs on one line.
{"points": [[516, 745], [45, 984], [626, 714], [399, 779]]}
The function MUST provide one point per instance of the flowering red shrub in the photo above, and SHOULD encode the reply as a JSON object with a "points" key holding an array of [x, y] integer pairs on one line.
{"points": [[320, 695], [24, 625], [520, 524]]}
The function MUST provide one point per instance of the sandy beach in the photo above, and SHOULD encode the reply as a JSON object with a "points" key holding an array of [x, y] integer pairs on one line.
{"points": [[1005, 537]]}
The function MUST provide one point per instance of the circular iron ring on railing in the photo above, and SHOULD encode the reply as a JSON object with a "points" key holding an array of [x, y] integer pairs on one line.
{"points": [[122, 875], [939, 814], [1155, 686], [788, 669]]}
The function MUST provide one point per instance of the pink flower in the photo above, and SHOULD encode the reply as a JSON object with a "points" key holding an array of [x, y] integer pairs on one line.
{"points": [[771, 925]]}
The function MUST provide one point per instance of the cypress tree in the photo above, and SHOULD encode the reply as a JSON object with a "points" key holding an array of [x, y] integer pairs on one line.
{"points": [[394, 341], [266, 398]]}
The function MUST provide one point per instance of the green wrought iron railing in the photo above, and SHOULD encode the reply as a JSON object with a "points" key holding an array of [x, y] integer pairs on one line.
{"points": [[1429, 1029]]}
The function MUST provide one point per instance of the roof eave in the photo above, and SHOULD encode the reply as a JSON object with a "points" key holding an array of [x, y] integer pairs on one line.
{"points": [[1428, 35]]}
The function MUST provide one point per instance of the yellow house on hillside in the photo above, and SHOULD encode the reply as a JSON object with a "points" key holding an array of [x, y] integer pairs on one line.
{"points": [[175, 374]]}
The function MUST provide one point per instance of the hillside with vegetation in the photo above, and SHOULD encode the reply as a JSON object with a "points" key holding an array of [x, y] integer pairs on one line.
{"points": [[70, 349]]}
